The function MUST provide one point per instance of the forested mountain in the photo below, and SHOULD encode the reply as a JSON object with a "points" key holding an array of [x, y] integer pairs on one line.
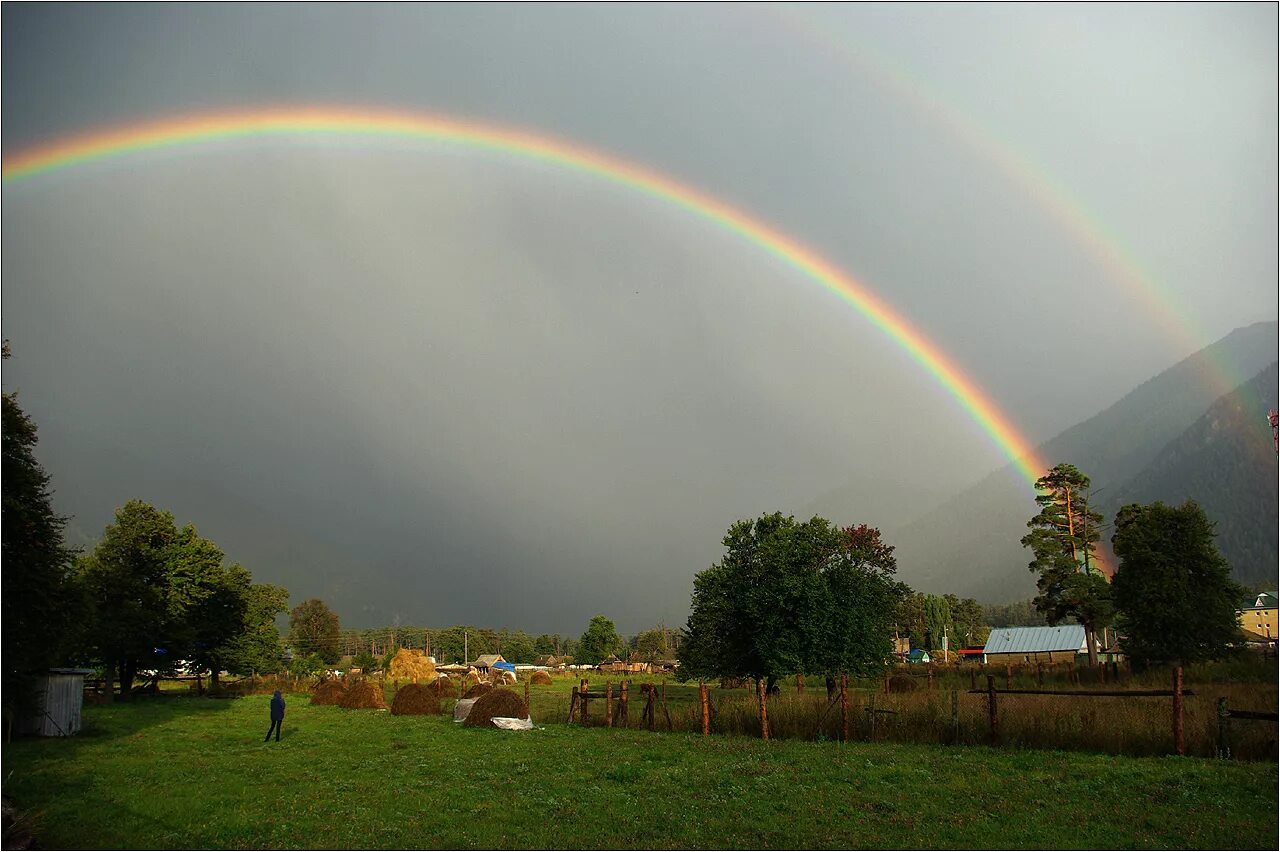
{"points": [[969, 545], [1226, 462]]}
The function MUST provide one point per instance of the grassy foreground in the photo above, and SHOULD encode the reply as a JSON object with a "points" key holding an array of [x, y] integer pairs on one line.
{"points": [[190, 772]]}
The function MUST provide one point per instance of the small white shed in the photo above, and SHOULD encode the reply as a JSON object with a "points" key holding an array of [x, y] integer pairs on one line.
{"points": [[59, 695]]}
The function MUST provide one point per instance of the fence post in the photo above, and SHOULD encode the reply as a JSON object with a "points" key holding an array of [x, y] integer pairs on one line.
{"points": [[799, 684], [991, 709], [973, 679], [665, 711], [1008, 675], [872, 713], [764, 710], [583, 702], [1039, 676], [706, 711], [649, 708], [608, 704], [955, 716], [573, 702], [1178, 742], [844, 707], [622, 706], [1224, 721]]}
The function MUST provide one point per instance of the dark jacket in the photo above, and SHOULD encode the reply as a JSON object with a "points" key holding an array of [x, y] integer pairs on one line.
{"points": [[277, 707]]}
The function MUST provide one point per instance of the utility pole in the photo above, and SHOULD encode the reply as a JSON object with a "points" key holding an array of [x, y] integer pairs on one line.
{"points": [[465, 653], [1273, 418]]}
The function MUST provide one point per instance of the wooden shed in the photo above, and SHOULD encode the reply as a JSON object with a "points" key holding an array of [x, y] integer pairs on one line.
{"points": [[59, 695]]}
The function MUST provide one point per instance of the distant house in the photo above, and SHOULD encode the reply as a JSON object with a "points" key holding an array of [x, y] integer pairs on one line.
{"points": [[1258, 617], [550, 661], [484, 662], [1035, 644]]}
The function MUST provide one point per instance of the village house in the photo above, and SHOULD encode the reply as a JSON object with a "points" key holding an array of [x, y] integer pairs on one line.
{"points": [[1258, 617]]}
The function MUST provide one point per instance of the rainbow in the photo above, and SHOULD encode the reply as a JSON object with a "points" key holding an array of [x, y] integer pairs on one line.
{"points": [[1062, 205], [324, 121]]}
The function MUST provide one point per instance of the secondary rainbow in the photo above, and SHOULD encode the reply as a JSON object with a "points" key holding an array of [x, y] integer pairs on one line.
{"points": [[325, 121]]}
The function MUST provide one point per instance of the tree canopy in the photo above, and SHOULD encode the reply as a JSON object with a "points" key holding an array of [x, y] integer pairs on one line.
{"points": [[40, 601], [792, 596], [599, 641], [1173, 591], [314, 629]]}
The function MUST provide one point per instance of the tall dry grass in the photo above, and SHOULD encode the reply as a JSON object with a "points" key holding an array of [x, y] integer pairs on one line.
{"points": [[1112, 725]]}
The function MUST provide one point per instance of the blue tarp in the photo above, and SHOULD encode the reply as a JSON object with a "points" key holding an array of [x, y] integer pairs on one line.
{"points": [[506, 667]]}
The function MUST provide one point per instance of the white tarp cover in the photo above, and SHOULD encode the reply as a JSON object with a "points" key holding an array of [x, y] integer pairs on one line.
{"points": [[506, 723], [462, 708]]}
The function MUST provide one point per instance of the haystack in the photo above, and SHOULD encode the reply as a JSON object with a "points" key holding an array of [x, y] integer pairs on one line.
{"points": [[495, 703], [902, 683], [541, 678], [416, 700], [477, 690], [502, 677], [411, 664], [328, 692], [364, 695], [471, 678], [443, 686]]}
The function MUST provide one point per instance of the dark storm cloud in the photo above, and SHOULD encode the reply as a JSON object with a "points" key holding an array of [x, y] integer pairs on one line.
{"points": [[461, 388]]}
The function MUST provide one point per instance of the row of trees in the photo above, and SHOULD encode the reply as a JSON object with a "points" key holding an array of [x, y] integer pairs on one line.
{"points": [[1172, 598]]}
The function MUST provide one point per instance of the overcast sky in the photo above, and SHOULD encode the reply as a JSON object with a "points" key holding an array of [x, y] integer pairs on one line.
{"points": [[477, 389]]}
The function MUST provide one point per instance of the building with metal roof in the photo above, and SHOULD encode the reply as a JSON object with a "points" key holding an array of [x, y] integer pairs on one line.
{"points": [[1035, 644]]}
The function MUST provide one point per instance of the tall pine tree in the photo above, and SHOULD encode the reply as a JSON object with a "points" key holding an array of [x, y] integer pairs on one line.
{"points": [[1063, 538]]}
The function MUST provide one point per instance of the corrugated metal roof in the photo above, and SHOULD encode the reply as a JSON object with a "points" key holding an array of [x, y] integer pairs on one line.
{"points": [[1033, 640]]}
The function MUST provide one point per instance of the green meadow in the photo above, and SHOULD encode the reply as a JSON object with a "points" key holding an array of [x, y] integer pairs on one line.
{"points": [[183, 772]]}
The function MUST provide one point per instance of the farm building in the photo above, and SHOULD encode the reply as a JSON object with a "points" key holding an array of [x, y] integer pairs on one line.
{"points": [[59, 697], [550, 661], [1035, 644], [484, 662]]}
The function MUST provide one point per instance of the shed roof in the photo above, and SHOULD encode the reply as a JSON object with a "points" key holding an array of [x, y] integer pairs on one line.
{"points": [[488, 660], [1032, 640]]}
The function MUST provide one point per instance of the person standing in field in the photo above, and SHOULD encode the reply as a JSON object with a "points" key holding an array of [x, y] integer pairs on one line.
{"points": [[277, 716]]}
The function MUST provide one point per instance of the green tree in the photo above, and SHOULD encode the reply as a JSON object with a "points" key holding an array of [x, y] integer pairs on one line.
{"points": [[1173, 590], [1063, 538], [969, 621], [599, 641], [257, 648], [41, 601], [650, 645], [306, 665], [314, 629], [858, 602], [365, 662], [792, 597], [516, 647], [937, 616], [909, 616]]}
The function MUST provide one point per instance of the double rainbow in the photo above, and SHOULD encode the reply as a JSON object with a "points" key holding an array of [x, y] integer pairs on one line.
{"points": [[321, 121]]}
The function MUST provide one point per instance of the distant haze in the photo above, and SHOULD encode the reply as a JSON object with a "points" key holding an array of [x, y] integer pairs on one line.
{"points": [[439, 385]]}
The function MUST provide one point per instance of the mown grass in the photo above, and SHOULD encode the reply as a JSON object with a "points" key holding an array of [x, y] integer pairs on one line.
{"points": [[191, 772]]}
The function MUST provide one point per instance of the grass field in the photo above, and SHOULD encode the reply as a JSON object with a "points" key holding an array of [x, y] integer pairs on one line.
{"points": [[192, 772]]}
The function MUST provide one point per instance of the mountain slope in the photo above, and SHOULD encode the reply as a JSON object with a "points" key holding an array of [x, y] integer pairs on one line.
{"points": [[969, 544], [1226, 462]]}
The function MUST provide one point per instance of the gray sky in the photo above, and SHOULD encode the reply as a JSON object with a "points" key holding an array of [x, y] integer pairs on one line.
{"points": [[454, 386]]}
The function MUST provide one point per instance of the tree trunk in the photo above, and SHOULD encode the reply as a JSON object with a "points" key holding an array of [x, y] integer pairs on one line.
{"points": [[126, 678], [1091, 645], [109, 672], [213, 678]]}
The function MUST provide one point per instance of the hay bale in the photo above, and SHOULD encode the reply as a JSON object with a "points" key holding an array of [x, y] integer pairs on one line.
{"points": [[364, 695], [902, 683], [443, 686], [502, 677], [477, 690], [416, 700], [411, 664], [495, 703], [541, 678], [329, 692]]}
